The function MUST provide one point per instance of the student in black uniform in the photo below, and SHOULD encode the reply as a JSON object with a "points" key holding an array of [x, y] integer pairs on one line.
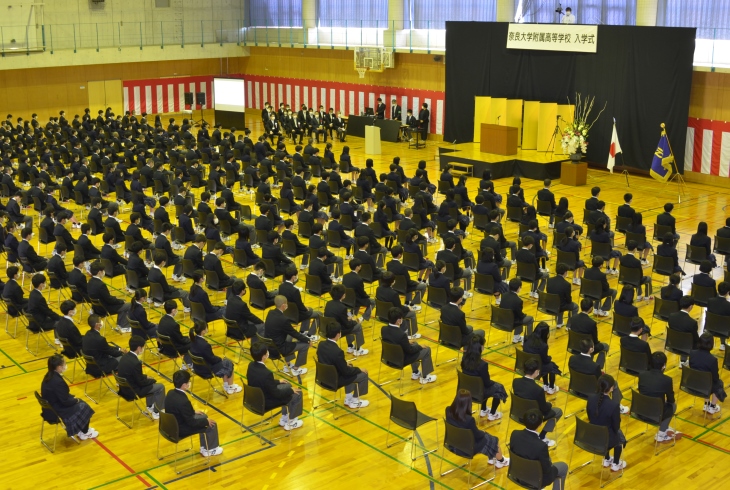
{"points": [[473, 365], [527, 444], [537, 343], [604, 410]]}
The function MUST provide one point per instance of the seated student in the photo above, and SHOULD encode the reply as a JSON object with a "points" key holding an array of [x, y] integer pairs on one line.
{"points": [[220, 367], [318, 268], [212, 262], [364, 230], [526, 444], [546, 195], [26, 251], [700, 239], [45, 318], [569, 221], [200, 295], [48, 224], [188, 420], [256, 280], [162, 242], [272, 250], [280, 329], [385, 292], [308, 317], [720, 305], [631, 262], [57, 266], [625, 306], [512, 301], [526, 388], [487, 186], [459, 414], [354, 379], [680, 321], [74, 412], [703, 360], [288, 234], [657, 384], [156, 275], [366, 258], [492, 240], [96, 346], [349, 325], [130, 368], [109, 252], [277, 393], [138, 313], [644, 247], [137, 264], [394, 333], [169, 327], [668, 248], [352, 280], [237, 310], [583, 323], [90, 251], [397, 268], [67, 329], [452, 314], [704, 278], [60, 229], [600, 234], [135, 232], [636, 340], [243, 242], [473, 365], [571, 244], [487, 266], [449, 256], [595, 274], [604, 410], [583, 363], [672, 292], [559, 285], [537, 343], [113, 222], [724, 232], [527, 256]]}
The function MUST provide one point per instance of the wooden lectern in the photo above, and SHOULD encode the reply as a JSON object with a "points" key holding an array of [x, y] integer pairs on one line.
{"points": [[574, 174], [500, 140]]}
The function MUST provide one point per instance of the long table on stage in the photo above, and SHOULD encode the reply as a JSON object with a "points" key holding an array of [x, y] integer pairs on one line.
{"points": [[389, 129]]}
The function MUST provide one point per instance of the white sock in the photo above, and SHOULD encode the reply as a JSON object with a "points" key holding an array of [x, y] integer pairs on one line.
{"points": [[225, 384]]}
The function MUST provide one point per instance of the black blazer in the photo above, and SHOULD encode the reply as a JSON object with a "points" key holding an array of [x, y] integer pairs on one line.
{"points": [[237, 310], [130, 368], [67, 329], [395, 335], [469, 424], [38, 307], [319, 269], [259, 376], [98, 290], [352, 280], [682, 322], [636, 344], [96, 346], [528, 445], [77, 279], [211, 262], [277, 327], [527, 388], [703, 360], [511, 301], [169, 327], [55, 391], [584, 364], [178, 404], [56, 265], [453, 315], [390, 295], [718, 305], [328, 352], [201, 348], [656, 383], [583, 323], [607, 415], [194, 254], [558, 285], [14, 292], [596, 274], [338, 311]]}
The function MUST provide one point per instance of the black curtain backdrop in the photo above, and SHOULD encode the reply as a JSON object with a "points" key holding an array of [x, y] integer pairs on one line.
{"points": [[644, 74]]}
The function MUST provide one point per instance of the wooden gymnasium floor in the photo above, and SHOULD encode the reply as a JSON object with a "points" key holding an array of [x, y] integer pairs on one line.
{"points": [[351, 452]]}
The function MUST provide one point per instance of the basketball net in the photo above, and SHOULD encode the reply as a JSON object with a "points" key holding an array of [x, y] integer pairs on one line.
{"points": [[361, 71]]}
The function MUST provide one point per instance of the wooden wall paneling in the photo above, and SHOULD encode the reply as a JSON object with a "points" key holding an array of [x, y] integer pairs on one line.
{"points": [[96, 92], [481, 115], [514, 117], [546, 124], [114, 95]]}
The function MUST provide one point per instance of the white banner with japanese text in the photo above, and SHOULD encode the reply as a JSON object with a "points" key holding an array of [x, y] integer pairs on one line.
{"points": [[553, 37]]}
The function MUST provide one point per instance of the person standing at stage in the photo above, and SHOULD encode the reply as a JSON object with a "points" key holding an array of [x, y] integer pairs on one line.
{"points": [[568, 18]]}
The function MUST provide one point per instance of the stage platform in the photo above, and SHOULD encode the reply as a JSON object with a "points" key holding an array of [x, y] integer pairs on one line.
{"points": [[531, 164]]}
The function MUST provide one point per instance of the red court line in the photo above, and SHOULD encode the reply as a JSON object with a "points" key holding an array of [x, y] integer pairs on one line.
{"points": [[726, 451], [126, 466]]}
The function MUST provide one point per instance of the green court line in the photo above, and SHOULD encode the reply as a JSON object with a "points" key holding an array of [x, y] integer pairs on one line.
{"points": [[13, 361], [159, 485]]}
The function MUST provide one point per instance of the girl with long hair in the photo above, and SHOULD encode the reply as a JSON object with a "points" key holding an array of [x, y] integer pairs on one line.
{"points": [[605, 411], [537, 343], [473, 365]]}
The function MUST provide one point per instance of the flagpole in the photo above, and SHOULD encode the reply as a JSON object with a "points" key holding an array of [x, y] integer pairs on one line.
{"points": [[677, 175]]}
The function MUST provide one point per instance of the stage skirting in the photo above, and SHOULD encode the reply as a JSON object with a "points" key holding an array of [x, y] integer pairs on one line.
{"points": [[530, 164]]}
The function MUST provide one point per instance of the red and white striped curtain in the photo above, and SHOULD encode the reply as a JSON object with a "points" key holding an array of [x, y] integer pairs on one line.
{"points": [[708, 147], [349, 98], [162, 95]]}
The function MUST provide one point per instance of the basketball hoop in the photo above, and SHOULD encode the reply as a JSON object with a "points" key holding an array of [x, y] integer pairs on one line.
{"points": [[361, 71]]}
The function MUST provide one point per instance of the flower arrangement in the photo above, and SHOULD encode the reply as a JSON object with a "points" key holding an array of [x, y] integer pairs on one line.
{"points": [[575, 134]]}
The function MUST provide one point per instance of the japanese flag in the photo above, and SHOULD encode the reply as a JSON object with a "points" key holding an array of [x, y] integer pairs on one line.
{"points": [[614, 149]]}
